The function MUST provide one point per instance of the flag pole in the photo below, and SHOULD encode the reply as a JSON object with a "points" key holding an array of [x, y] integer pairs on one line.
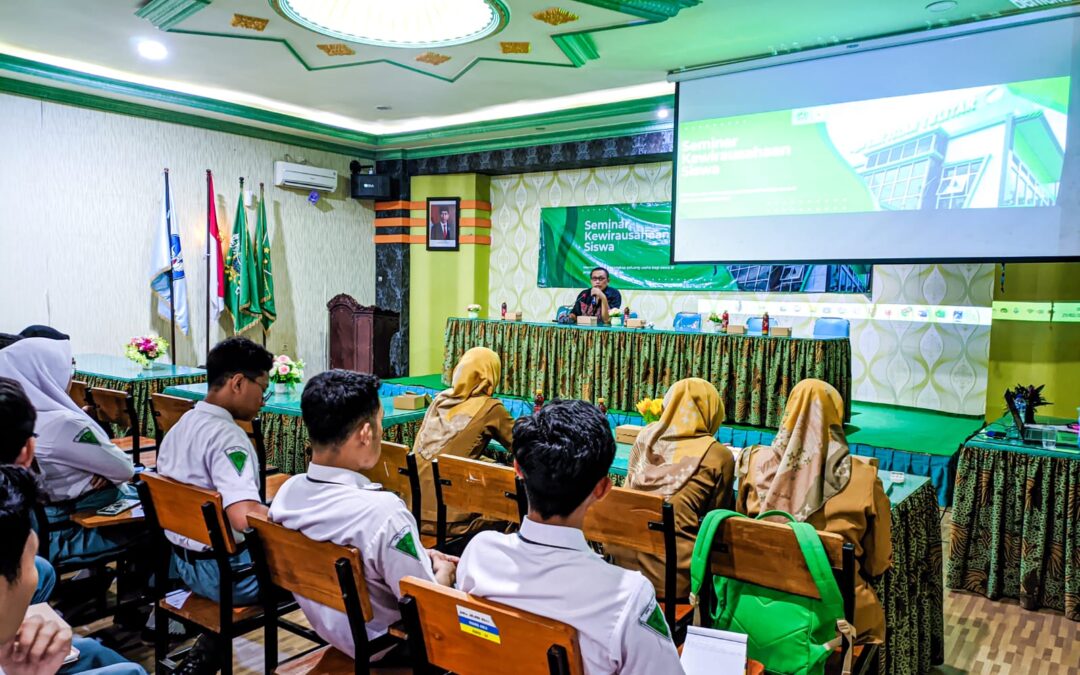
{"points": [[262, 324], [172, 290], [209, 204], [242, 206]]}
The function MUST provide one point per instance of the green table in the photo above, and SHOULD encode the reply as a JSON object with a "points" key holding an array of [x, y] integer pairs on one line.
{"points": [[754, 374], [118, 372], [284, 432], [1016, 521]]}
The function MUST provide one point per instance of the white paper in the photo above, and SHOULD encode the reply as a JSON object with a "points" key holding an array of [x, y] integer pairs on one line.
{"points": [[707, 651], [177, 598], [138, 512]]}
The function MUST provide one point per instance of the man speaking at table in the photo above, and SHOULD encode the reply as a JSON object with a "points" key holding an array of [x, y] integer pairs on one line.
{"points": [[598, 300]]}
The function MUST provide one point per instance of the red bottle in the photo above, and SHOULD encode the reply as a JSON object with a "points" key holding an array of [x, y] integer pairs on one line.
{"points": [[538, 401], [724, 318], [765, 324], [600, 403], [504, 310]]}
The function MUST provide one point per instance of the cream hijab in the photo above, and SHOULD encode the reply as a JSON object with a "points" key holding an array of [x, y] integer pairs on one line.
{"points": [[808, 462], [474, 382], [669, 451]]}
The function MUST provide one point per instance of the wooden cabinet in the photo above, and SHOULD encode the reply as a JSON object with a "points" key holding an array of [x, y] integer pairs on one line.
{"points": [[360, 336]]}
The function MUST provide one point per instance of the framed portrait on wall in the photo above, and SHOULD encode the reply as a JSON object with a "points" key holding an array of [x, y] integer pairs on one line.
{"points": [[443, 233]]}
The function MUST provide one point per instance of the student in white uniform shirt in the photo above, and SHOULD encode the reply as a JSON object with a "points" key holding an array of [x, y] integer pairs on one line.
{"points": [[334, 502], [207, 449], [78, 465], [564, 453]]}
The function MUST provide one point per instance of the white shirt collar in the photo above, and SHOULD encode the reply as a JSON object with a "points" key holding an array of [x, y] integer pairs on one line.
{"points": [[333, 474], [215, 410], [553, 535]]}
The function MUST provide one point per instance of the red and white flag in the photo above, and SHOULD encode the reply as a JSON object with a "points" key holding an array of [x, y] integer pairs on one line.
{"points": [[216, 281]]}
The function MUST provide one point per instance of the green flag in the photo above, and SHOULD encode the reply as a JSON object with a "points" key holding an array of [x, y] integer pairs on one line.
{"points": [[241, 295], [263, 270]]}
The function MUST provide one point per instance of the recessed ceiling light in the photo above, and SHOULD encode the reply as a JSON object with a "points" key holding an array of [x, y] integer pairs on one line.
{"points": [[662, 113], [152, 49], [941, 6], [383, 107]]}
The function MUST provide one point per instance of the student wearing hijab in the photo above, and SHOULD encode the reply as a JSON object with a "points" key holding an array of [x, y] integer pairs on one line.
{"points": [[460, 422], [679, 458], [808, 472], [78, 465]]}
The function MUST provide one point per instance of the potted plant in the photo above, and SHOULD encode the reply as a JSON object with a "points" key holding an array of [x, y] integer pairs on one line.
{"points": [[715, 322], [145, 350], [286, 373], [650, 409], [1028, 398], [615, 315], [473, 311]]}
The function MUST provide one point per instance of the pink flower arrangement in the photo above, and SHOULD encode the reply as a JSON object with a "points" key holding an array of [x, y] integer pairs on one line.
{"points": [[286, 371], [145, 350]]}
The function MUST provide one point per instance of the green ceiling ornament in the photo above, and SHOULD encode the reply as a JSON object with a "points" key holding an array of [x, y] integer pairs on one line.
{"points": [[650, 10], [165, 14]]}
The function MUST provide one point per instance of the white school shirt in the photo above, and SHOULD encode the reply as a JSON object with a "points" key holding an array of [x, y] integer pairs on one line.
{"points": [[209, 450], [551, 571], [71, 450], [344, 507]]}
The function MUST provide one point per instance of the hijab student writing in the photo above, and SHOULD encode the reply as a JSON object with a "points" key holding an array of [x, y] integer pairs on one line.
{"points": [[678, 458], [808, 472], [460, 421]]}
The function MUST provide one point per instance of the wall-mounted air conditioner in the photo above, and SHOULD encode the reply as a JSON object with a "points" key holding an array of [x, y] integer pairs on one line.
{"points": [[304, 177]]}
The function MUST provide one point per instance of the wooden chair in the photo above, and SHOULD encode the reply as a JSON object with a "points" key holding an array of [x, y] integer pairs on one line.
{"points": [[118, 407], [322, 572], [77, 391], [492, 490], [444, 634], [197, 514], [768, 554], [254, 431], [643, 522], [398, 473], [167, 411]]}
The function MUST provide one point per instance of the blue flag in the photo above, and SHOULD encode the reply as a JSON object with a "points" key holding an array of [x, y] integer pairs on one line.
{"points": [[166, 256]]}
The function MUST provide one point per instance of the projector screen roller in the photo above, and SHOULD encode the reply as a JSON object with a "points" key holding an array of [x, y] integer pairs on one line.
{"points": [[958, 149]]}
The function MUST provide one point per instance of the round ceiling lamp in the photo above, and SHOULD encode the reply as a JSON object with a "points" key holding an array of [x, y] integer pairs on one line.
{"points": [[410, 24]]}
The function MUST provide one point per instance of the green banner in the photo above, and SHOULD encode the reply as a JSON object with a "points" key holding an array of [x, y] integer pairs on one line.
{"points": [[633, 241]]}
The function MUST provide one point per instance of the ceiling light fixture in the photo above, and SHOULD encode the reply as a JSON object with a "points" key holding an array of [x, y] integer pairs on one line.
{"points": [[941, 6], [152, 49], [662, 113], [411, 24]]}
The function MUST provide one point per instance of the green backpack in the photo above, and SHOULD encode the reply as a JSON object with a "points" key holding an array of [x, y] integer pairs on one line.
{"points": [[787, 633]]}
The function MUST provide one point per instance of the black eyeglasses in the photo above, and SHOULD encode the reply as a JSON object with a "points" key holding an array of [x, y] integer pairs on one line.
{"points": [[266, 393], [598, 278]]}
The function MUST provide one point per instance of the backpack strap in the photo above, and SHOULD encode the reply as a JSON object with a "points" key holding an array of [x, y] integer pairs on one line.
{"points": [[818, 563], [776, 513], [703, 546]]}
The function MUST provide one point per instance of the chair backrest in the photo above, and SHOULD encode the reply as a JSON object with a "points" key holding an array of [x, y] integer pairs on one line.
{"points": [[469, 636], [168, 410], [77, 391], [564, 310], [753, 324], [398, 473], [113, 406], [688, 321], [631, 518], [253, 429], [471, 486], [312, 569], [182, 509], [832, 327]]}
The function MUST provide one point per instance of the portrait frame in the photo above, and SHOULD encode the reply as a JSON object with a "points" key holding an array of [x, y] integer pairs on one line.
{"points": [[435, 207]]}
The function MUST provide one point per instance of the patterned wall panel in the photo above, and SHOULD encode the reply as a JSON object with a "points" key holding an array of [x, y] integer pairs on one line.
{"points": [[936, 366], [81, 193]]}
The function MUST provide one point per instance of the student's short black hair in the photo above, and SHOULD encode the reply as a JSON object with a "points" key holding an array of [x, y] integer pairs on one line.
{"points": [[18, 494], [236, 355], [336, 402], [600, 269], [563, 452], [17, 418], [37, 330]]}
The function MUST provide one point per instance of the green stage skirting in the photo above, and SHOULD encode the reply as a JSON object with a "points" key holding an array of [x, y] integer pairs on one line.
{"points": [[753, 374], [1016, 522]]}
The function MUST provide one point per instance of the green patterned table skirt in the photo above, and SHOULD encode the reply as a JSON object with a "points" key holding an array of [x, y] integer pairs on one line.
{"points": [[754, 374], [141, 391], [286, 440], [911, 592], [1016, 527]]}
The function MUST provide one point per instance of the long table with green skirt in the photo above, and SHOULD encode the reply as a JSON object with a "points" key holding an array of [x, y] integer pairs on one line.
{"points": [[1016, 521], [911, 591], [754, 374], [123, 374], [285, 435]]}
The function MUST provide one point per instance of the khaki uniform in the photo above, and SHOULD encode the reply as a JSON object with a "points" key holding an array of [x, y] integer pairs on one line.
{"points": [[862, 515]]}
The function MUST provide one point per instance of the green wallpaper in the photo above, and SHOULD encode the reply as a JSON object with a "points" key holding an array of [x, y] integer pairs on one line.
{"points": [[935, 366]]}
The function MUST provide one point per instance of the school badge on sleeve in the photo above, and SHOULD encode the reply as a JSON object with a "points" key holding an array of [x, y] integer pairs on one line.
{"points": [[403, 543]]}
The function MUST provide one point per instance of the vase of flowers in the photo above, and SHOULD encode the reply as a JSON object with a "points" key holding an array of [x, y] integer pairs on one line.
{"points": [[473, 311], [286, 373], [715, 322], [650, 409], [615, 316], [145, 350], [1028, 398]]}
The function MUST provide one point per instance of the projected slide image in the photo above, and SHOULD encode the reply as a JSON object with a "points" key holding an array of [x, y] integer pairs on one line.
{"points": [[979, 147]]}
